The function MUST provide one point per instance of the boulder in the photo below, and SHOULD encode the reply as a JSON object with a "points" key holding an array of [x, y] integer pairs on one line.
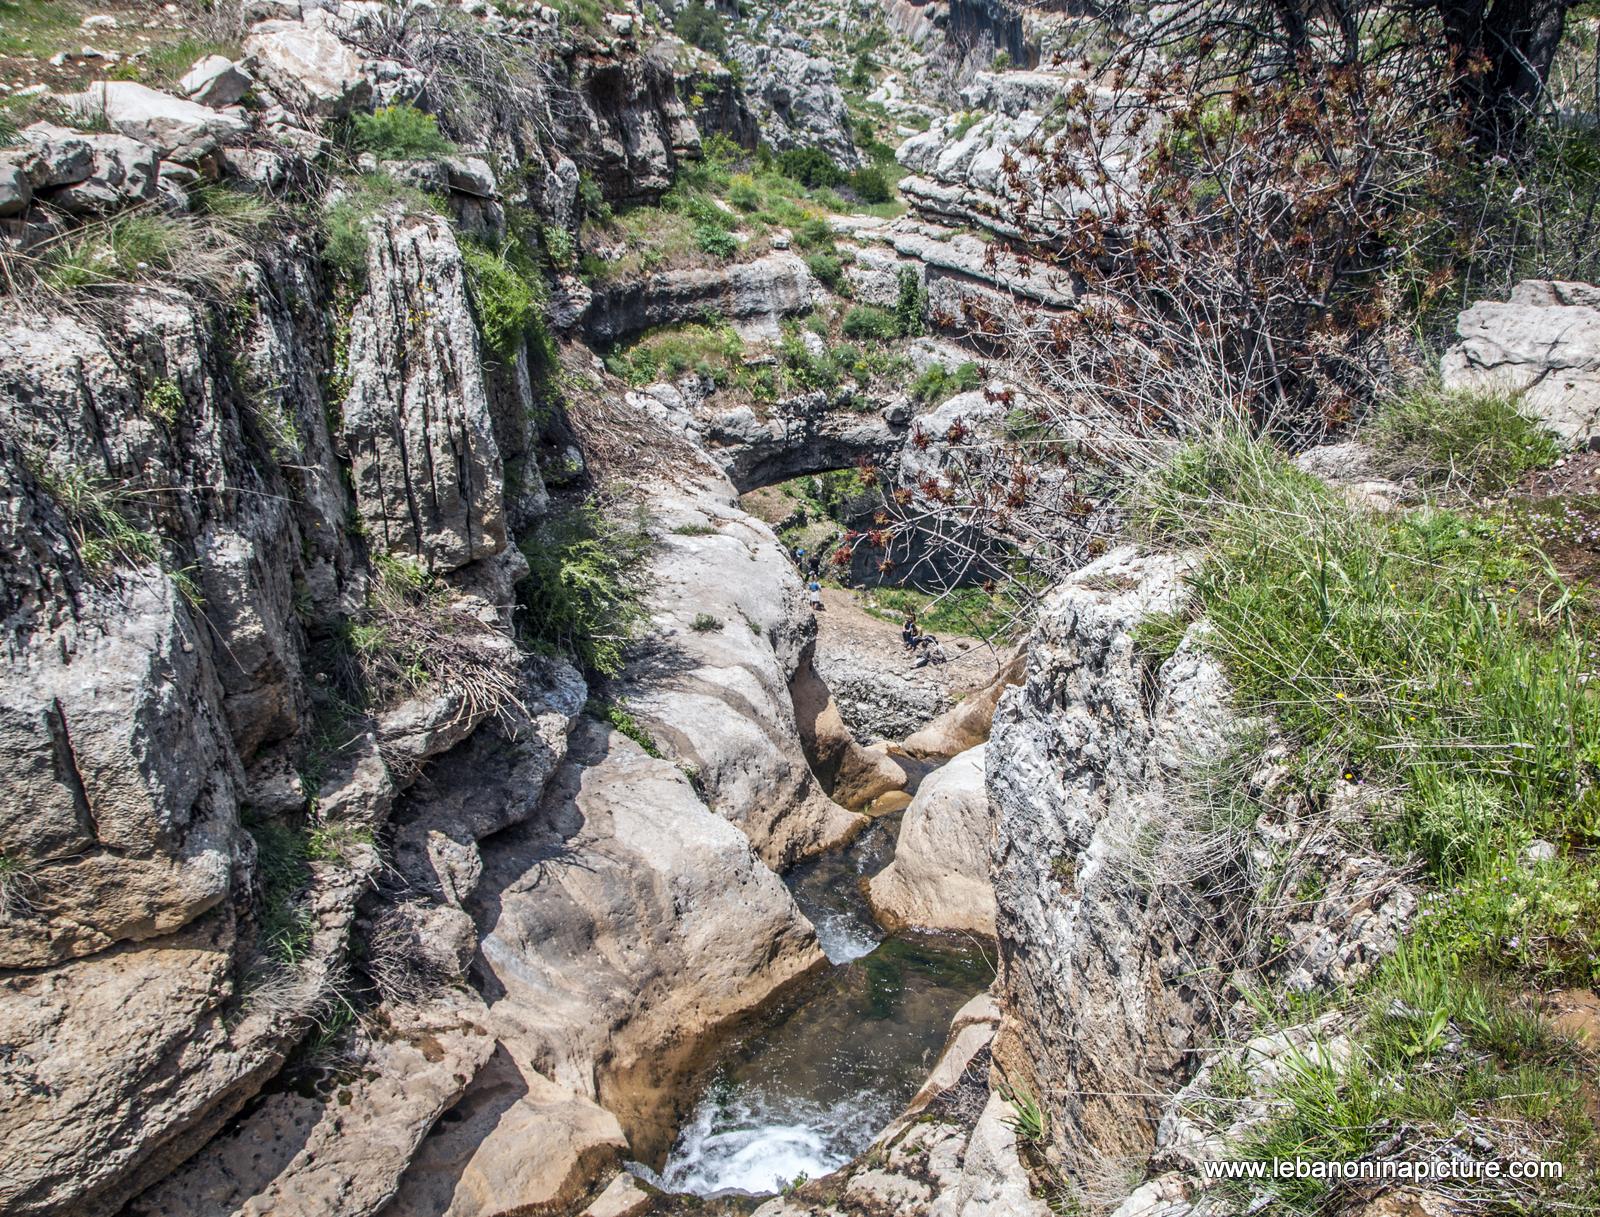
{"points": [[179, 130], [966, 724], [16, 191], [216, 81], [309, 67], [852, 775], [621, 925], [516, 1143], [91, 174], [1543, 344], [119, 808], [939, 879], [1089, 764], [424, 463], [56, 156], [116, 1058]]}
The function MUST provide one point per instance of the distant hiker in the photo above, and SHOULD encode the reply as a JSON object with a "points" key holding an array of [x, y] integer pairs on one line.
{"points": [[814, 567], [799, 555], [908, 634], [815, 589]]}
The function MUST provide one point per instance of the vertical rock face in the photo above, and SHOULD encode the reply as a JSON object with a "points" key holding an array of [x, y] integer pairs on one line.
{"points": [[727, 631], [796, 100], [1104, 965], [423, 457]]}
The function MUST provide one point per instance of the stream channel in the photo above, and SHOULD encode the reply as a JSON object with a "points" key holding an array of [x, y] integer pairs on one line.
{"points": [[810, 1085]]}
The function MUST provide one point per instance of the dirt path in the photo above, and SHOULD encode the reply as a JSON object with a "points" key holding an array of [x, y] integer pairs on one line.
{"points": [[844, 627]]}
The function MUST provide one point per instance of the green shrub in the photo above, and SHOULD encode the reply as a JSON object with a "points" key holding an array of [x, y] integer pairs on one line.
{"points": [[705, 623], [910, 303], [401, 133], [1481, 442], [869, 322], [700, 24], [718, 242], [744, 194], [826, 269], [811, 167], [581, 594], [871, 185], [935, 384], [507, 298], [163, 400], [814, 233], [1000, 62]]}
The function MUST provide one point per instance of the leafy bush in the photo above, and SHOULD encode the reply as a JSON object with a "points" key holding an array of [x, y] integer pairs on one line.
{"points": [[705, 623], [700, 24], [718, 242], [507, 297], [1481, 442], [910, 303], [401, 133], [581, 594], [744, 194], [811, 167], [935, 384], [869, 322], [826, 269], [871, 185]]}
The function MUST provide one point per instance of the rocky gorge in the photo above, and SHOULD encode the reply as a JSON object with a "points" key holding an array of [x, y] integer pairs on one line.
{"points": [[435, 790]]}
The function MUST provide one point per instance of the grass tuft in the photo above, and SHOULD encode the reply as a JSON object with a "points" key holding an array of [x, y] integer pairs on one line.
{"points": [[1477, 442]]}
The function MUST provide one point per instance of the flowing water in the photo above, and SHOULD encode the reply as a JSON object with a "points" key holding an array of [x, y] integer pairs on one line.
{"points": [[809, 1088]]}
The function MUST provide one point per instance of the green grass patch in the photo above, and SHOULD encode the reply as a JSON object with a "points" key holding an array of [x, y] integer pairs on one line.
{"points": [[581, 595], [1428, 652], [1436, 1051], [283, 918], [937, 385], [713, 350], [36, 27], [972, 612], [1478, 442], [608, 711]]}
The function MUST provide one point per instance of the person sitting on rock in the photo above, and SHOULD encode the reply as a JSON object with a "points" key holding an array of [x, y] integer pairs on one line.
{"points": [[909, 635]]}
